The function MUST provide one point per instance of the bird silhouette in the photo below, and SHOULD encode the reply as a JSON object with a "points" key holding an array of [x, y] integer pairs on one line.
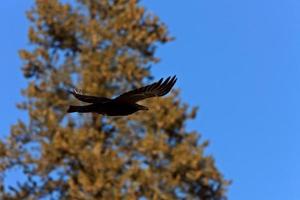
{"points": [[126, 103]]}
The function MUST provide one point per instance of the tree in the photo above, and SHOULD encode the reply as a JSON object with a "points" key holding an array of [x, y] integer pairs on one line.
{"points": [[104, 47]]}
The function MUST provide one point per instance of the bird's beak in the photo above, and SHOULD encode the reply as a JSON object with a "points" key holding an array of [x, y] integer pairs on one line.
{"points": [[143, 108]]}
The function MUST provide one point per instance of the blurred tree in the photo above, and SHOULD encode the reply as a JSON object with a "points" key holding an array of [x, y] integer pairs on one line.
{"points": [[105, 47]]}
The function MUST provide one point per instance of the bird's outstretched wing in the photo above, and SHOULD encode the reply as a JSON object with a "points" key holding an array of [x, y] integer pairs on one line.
{"points": [[88, 99], [159, 88]]}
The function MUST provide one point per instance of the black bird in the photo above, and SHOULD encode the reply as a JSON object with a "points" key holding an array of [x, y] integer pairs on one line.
{"points": [[125, 104]]}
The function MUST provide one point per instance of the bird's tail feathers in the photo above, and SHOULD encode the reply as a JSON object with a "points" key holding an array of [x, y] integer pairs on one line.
{"points": [[80, 109]]}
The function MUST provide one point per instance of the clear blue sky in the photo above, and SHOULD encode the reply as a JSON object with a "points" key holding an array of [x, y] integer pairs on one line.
{"points": [[238, 61]]}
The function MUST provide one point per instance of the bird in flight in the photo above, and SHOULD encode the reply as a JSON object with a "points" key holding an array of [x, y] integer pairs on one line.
{"points": [[126, 103]]}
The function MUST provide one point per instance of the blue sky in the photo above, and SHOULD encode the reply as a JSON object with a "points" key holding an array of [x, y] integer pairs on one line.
{"points": [[238, 61]]}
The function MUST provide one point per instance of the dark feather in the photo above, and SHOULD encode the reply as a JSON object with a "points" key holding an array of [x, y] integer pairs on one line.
{"points": [[124, 104], [159, 88], [88, 99]]}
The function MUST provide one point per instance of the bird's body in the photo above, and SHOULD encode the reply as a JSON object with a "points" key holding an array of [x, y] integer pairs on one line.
{"points": [[124, 104], [112, 108]]}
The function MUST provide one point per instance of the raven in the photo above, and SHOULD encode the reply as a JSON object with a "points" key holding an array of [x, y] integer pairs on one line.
{"points": [[125, 104]]}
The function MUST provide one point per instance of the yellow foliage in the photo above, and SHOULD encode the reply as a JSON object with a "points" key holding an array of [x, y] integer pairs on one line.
{"points": [[106, 48]]}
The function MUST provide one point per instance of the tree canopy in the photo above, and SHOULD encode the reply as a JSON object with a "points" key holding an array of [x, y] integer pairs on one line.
{"points": [[104, 47]]}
